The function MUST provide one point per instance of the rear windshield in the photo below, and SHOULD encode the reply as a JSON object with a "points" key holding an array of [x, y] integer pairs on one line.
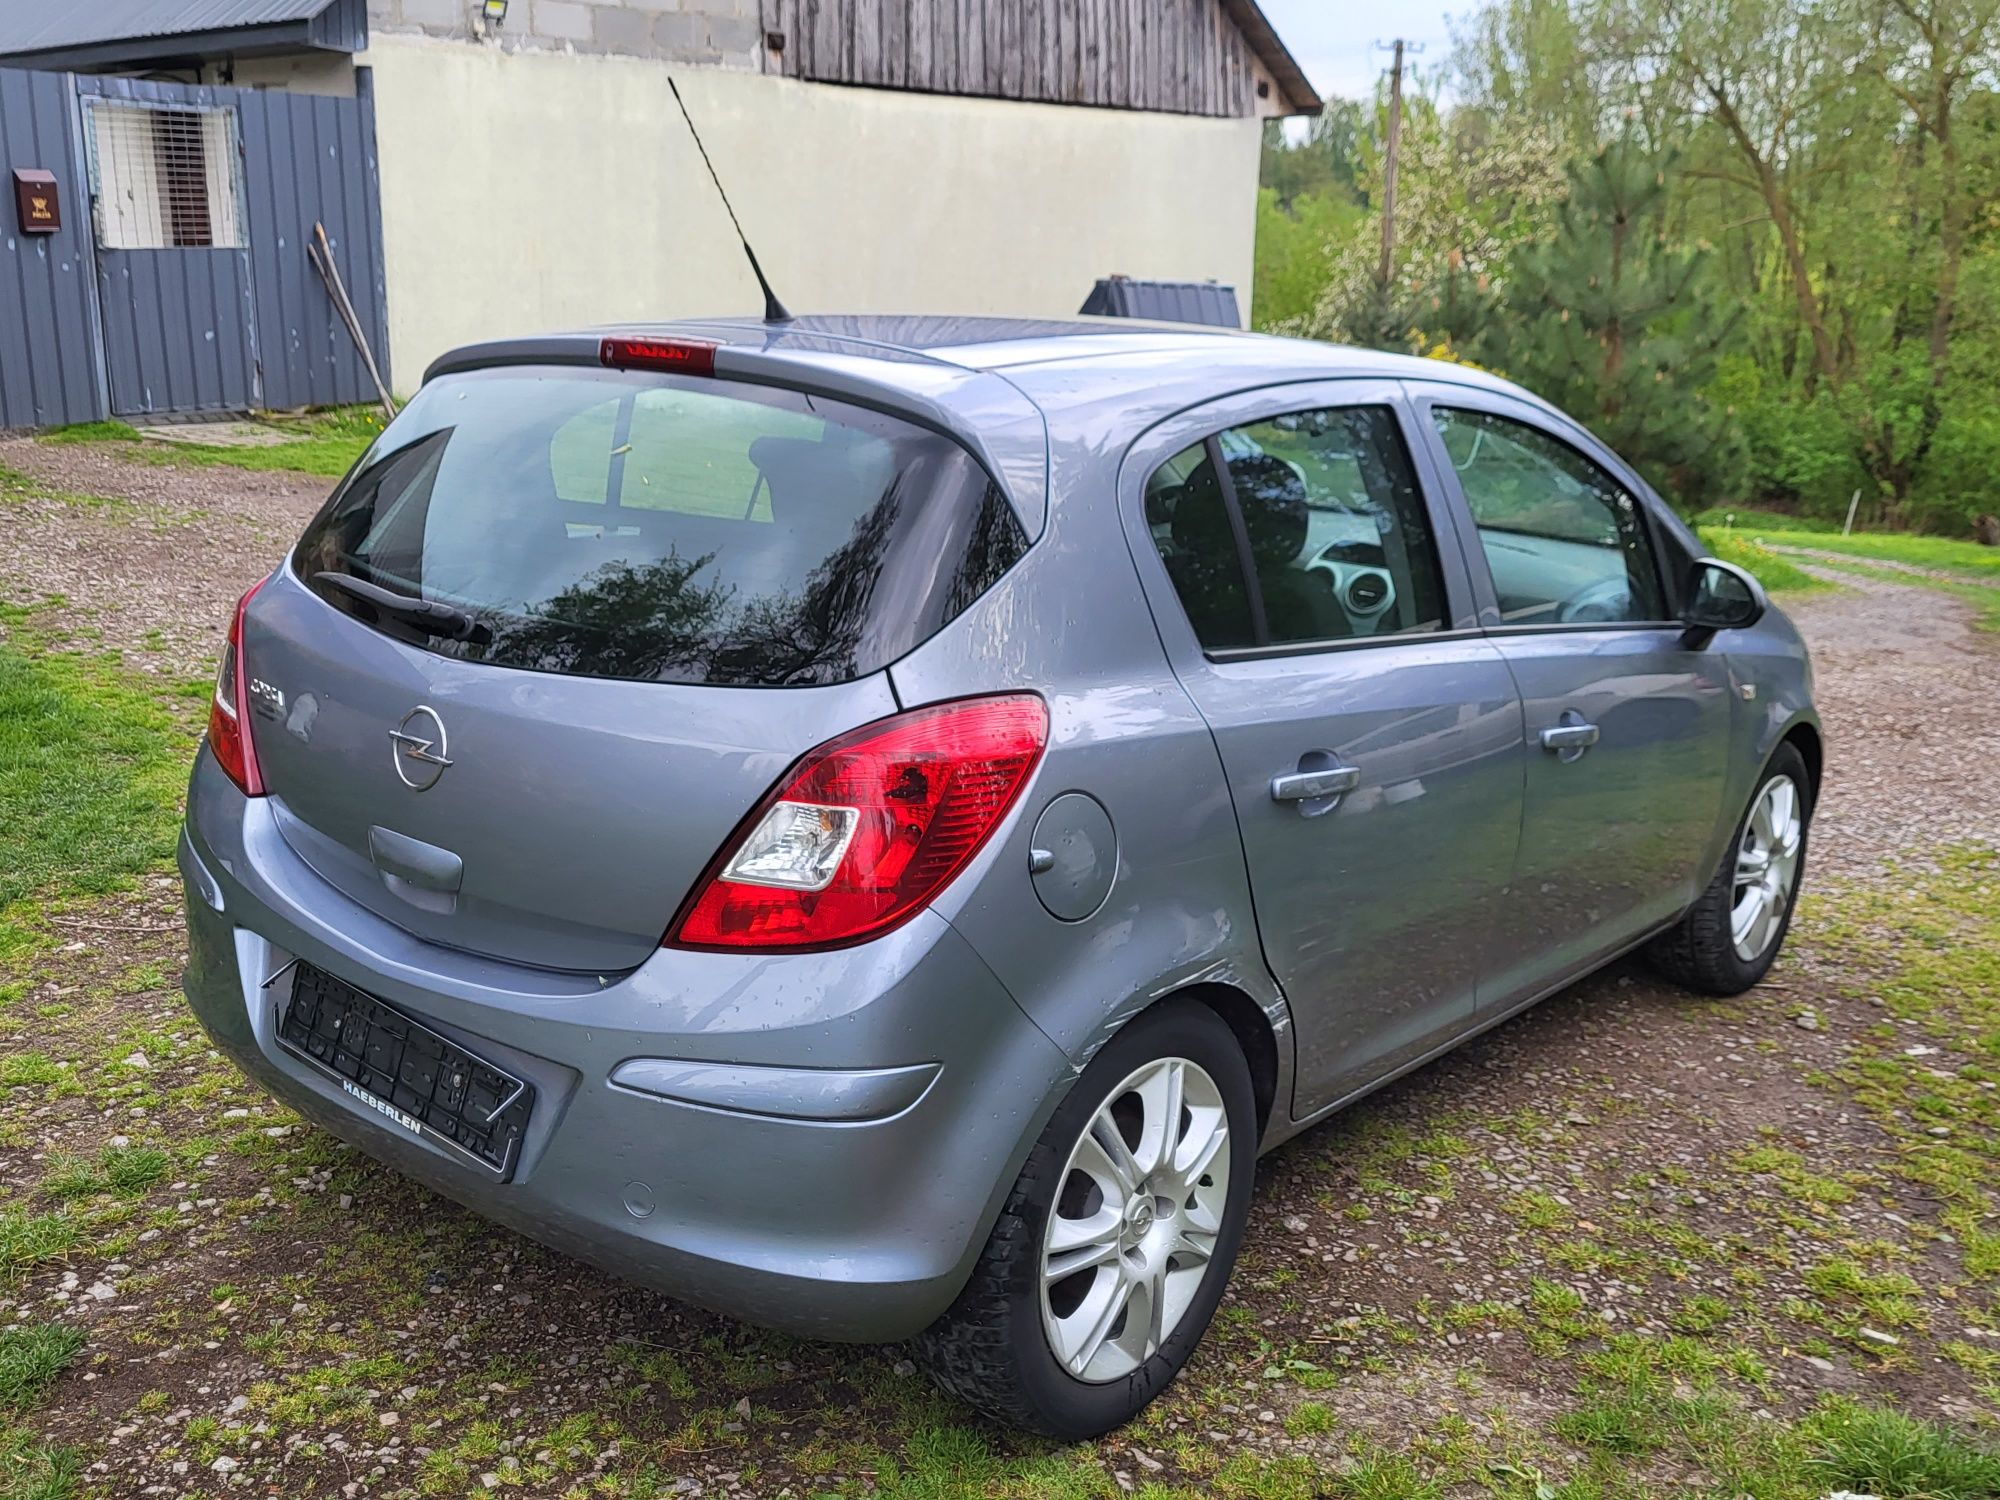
{"points": [[661, 528]]}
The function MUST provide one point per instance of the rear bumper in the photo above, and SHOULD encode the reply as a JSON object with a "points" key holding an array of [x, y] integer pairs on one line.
{"points": [[819, 1143]]}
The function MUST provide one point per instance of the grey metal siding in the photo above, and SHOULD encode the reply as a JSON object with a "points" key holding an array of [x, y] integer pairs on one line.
{"points": [[217, 330], [172, 320], [49, 368], [1183, 56], [307, 158], [176, 321], [87, 332], [341, 27]]}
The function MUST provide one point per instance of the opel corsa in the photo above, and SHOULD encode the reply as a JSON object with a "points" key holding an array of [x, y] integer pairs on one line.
{"points": [[871, 825]]}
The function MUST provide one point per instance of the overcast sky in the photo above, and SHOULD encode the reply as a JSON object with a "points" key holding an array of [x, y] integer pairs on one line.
{"points": [[1335, 40]]}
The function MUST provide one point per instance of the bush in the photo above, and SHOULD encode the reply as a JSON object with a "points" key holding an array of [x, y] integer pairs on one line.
{"points": [[1295, 245], [1960, 480], [1801, 453]]}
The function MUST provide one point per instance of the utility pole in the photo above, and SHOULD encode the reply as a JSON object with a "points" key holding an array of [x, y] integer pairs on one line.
{"points": [[1383, 271]]}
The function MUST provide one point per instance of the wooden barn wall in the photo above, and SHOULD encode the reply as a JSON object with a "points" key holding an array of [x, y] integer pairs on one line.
{"points": [[1181, 56]]}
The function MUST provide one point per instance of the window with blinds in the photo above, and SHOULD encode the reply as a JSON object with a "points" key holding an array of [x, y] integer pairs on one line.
{"points": [[165, 177]]}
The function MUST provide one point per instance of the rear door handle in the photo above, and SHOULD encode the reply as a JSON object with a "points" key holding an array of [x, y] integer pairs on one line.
{"points": [[1309, 786], [1569, 736], [414, 862]]}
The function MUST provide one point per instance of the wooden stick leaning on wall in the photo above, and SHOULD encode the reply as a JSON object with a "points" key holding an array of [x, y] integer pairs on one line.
{"points": [[320, 252]]}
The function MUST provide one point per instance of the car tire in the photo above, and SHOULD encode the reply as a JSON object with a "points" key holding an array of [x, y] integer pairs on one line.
{"points": [[996, 1346], [1702, 952]]}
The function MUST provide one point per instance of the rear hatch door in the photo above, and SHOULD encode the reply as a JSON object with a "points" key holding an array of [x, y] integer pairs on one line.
{"points": [[562, 628]]}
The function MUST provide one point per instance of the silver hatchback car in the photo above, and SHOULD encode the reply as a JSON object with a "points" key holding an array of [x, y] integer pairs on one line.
{"points": [[873, 824]]}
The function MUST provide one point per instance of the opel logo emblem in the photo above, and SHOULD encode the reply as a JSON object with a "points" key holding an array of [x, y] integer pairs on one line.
{"points": [[417, 748], [1139, 1218]]}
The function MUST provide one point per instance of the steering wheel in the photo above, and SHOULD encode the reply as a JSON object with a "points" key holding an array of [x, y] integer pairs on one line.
{"points": [[1607, 599]]}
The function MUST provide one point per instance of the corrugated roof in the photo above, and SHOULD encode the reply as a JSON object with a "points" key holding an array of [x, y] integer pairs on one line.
{"points": [[1205, 302], [31, 26]]}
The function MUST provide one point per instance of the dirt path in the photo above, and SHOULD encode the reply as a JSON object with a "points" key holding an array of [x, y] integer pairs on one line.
{"points": [[148, 559], [1835, 561], [1908, 692], [1440, 1273]]}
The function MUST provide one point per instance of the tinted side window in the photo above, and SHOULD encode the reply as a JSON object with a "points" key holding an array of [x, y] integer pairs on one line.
{"points": [[1565, 542], [1192, 529], [1327, 514]]}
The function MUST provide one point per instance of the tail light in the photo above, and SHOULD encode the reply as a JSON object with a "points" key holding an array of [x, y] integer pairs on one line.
{"points": [[863, 832], [229, 710]]}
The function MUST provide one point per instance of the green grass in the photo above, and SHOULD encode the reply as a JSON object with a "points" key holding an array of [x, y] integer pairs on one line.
{"points": [[16, 487], [1983, 597], [31, 1471], [1875, 1451], [125, 1170], [28, 1069], [1778, 574], [91, 768], [1945, 553], [1965, 569], [1985, 601], [93, 432], [31, 1357], [28, 1240], [1755, 522], [325, 443], [1968, 559]]}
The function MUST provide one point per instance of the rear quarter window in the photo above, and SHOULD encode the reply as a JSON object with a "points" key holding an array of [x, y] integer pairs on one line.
{"points": [[660, 528]]}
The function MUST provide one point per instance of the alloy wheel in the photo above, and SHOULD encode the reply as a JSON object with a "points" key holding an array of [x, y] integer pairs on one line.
{"points": [[1135, 1220], [1767, 867]]}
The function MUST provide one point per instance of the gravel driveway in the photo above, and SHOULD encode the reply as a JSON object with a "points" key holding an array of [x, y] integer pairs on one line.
{"points": [[154, 565], [1910, 696], [1445, 1258]]}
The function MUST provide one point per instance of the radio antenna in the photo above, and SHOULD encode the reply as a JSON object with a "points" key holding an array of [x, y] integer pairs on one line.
{"points": [[774, 310]]}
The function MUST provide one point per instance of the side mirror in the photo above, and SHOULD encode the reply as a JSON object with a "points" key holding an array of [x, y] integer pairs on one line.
{"points": [[1720, 596]]}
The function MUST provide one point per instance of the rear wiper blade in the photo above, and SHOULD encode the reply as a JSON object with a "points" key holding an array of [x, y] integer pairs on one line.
{"points": [[426, 614]]}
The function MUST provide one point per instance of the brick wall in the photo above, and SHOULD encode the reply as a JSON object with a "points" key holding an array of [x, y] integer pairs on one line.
{"points": [[722, 32]]}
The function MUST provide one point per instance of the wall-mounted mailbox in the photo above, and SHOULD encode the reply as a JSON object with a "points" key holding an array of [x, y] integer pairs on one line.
{"points": [[36, 202]]}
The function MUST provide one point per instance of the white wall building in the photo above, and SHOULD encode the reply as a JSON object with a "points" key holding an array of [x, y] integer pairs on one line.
{"points": [[992, 156]]}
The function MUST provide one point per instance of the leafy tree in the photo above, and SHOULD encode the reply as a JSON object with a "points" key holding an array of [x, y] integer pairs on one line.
{"points": [[1326, 164], [1471, 186], [1296, 244], [1307, 207], [1828, 150], [1841, 158], [1613, 322]]}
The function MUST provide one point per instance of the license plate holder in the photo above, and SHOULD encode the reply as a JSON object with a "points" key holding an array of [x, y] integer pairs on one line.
{"points": [[417, 1079]]}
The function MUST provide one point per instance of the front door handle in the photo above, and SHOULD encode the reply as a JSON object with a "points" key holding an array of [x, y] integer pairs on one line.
{"points": [[1311, 786], [1569, 736]]}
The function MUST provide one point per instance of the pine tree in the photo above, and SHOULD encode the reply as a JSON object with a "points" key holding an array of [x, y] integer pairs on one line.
{"points": [[1611, 321]]}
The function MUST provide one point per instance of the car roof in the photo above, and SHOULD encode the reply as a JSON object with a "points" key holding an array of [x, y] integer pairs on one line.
{"points": [[1009, 388], [1222, 358], [977, 342]]}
